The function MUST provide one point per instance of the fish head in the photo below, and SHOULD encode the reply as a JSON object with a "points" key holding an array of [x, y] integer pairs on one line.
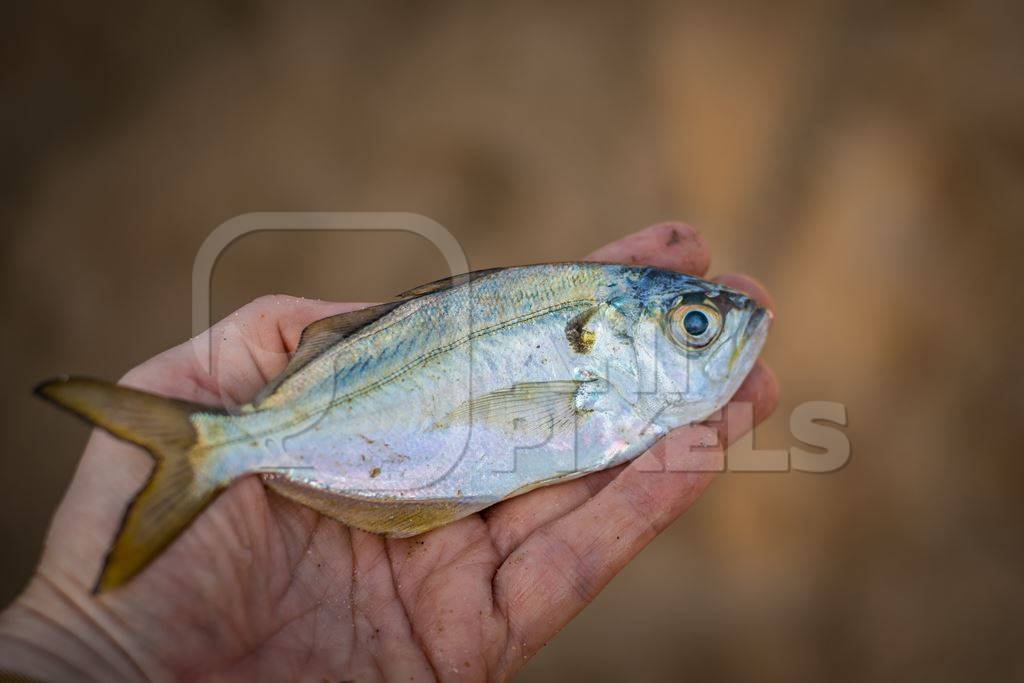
{"points": [[704, 338]]}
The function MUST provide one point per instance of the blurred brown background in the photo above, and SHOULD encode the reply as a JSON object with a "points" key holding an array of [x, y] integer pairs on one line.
{"points": [[866, 160]]}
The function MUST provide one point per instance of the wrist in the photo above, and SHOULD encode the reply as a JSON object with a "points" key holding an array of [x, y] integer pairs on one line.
{"points": [[49, 635]]}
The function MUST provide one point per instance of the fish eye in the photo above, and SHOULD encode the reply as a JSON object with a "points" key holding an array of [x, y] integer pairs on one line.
{"points": [[695, 325]]}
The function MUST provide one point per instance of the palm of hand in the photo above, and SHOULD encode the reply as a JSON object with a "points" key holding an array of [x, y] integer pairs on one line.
{"points": [[262, 587]]}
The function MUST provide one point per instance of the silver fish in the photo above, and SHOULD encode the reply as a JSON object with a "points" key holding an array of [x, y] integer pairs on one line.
{"points": [[402, 417]]}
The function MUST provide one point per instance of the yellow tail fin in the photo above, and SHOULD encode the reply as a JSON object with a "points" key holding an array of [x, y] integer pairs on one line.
{"points": [[173, 495]]}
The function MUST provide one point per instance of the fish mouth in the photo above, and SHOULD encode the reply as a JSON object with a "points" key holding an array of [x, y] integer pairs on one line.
{"points": [[751, 340], [757, 325]]}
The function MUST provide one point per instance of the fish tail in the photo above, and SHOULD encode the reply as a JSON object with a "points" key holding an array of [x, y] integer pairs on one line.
{"points": [[175, 492]]}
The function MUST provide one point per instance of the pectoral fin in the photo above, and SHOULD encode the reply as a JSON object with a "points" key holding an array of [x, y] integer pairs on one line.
{"points": [[542, 408]]}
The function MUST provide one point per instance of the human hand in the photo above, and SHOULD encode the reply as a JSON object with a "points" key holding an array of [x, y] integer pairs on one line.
{"points": [[260, 587]]}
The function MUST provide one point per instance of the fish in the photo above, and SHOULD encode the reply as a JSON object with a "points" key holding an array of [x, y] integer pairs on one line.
{"points": [[405, 416]]}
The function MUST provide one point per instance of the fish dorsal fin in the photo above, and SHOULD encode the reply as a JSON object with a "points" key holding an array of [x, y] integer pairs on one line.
{"points": [[321, 335], [446, 283]]}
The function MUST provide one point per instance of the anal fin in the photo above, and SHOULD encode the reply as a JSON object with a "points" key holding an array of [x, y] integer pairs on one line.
{"points": [[395, 518]]}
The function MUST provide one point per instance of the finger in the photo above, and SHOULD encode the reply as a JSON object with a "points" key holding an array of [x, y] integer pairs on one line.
{"points": [[512, 521], [234, 359], [675, 246], [562, 566]]}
